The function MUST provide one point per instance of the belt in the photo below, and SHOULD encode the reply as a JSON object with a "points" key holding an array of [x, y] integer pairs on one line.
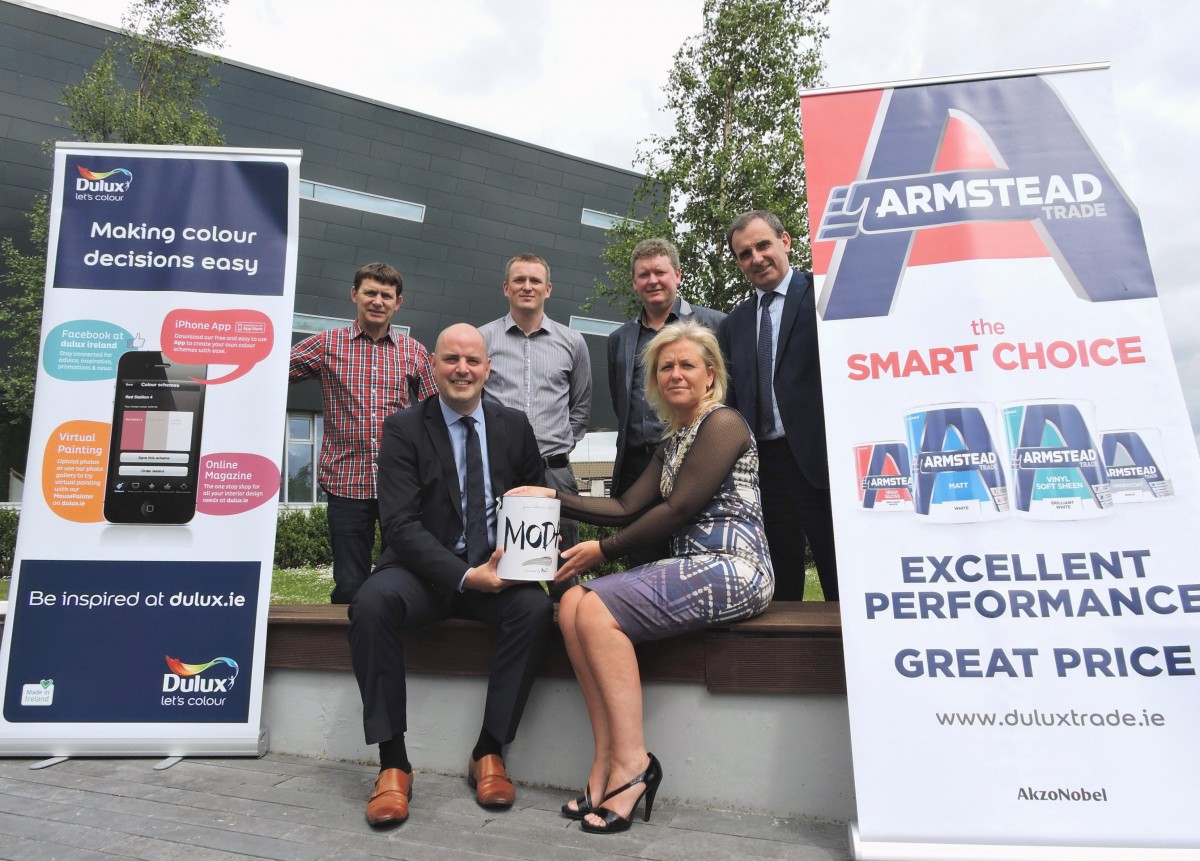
{"points": [[644, 450], [557, 461]]}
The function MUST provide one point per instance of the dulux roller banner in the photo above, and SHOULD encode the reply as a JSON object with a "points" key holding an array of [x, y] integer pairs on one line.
{"points": [[137, 612], [1014, 477]]}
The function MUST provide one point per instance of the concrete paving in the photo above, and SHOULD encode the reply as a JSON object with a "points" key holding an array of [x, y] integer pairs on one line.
{"points": [[296, 809]]}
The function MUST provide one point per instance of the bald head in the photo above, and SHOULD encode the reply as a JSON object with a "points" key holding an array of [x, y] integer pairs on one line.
{"points": [[461, 367]]}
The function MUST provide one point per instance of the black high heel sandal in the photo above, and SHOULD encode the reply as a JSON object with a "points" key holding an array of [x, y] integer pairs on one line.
{"points": [[583, 805], [614, 824]]}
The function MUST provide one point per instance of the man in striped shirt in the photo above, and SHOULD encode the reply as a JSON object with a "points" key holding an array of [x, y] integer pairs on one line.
{"points": [[368, 371], [542, 368]]}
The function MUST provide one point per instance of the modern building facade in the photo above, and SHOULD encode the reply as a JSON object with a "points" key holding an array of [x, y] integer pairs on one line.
{"points": [[444, 203]]}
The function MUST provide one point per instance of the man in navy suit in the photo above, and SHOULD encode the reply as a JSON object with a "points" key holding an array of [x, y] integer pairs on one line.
{"points": [[442, 464], [770, 342], [655, 273]]}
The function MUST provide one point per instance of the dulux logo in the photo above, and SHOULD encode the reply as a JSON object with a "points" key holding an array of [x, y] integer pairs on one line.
{"points": [[1049, 175], [100, 182], [185, 678]]}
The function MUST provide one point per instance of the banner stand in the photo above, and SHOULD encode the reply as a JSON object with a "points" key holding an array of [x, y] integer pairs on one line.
{"points": [[883, 851], [137, 615], [1013, 473]]}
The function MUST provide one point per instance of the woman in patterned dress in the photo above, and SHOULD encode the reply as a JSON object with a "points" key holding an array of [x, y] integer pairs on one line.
{"points": [[700, 491]]}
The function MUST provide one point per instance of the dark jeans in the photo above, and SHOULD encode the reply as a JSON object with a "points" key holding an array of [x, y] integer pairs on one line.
{"points": [[351, 537]]}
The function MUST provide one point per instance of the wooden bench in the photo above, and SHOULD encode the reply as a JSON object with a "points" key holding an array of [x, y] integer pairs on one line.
{"points": [[792, 648]]}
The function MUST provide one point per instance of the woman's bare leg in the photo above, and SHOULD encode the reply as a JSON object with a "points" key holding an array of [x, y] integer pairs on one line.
{"points": [[567, 622], [613, 667]]}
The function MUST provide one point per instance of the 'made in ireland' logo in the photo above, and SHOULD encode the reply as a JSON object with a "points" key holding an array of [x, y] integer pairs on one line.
{"points": [[38, 693], [108, 185]]}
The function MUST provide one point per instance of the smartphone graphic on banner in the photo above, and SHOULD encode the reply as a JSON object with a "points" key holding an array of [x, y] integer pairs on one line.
{"points": [[154, 454]]}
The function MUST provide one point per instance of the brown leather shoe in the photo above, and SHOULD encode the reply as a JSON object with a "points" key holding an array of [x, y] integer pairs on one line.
{"points": [[491, 783], [389, 801]]}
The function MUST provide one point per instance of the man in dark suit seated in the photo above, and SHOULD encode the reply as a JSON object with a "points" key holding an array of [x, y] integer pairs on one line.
{"points": [[770, 342], [442, 465]]}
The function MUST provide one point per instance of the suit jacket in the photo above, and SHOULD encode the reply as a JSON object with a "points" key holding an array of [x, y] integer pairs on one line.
{"points": [[622, 355], [420, 509], [797, 380]]}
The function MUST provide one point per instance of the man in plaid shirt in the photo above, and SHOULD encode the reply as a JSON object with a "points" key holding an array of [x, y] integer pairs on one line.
{"points": [[367, 371]]}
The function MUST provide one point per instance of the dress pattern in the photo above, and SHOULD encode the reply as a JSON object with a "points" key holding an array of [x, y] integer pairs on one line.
{"points": [[720, 570]]}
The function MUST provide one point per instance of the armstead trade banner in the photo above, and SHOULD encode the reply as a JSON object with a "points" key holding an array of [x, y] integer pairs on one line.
{"points": [[137, 613], [1015, 480]]}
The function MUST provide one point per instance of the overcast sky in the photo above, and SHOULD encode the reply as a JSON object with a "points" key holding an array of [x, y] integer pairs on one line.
{"points": [[587, 78]]}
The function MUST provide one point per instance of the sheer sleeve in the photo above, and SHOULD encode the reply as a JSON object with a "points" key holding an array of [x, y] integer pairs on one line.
{"points": [[648, 518]]}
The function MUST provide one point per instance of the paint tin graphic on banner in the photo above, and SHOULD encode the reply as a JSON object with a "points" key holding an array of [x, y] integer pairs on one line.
{"points": [[1055, 463], [883, 476], [1136, 465], [956, 472]]}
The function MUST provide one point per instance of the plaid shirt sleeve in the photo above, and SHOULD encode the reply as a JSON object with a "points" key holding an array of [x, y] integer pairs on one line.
{"points": [[306, 358], [423, 382]]}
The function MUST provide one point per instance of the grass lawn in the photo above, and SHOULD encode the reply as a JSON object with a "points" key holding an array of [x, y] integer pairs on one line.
{"points": [[301, 585], [312, 586]]}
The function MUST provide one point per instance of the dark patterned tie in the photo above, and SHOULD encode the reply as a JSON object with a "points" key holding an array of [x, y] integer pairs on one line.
{"points": [[476, 525], [765, 415]]}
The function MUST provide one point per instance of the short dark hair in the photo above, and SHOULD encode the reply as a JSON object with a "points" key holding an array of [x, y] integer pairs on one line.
{"points": [[381, 272], [743, 221], [526, 258]]}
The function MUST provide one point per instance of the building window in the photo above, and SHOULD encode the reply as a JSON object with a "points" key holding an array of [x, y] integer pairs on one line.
{"points": [[361, 200], [594, 326], [311, 324], [604, 220], [300, 455]]}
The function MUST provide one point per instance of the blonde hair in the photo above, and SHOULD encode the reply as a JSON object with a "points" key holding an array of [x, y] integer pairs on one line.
{"points": [[706, 341]]}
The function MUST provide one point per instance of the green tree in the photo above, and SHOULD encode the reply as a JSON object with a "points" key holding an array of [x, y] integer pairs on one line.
{"points": [[145, 88], [734, 92]]}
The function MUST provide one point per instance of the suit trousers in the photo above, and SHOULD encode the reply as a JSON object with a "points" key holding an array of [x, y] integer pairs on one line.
{"points": [[795, 510], [394, 600]]}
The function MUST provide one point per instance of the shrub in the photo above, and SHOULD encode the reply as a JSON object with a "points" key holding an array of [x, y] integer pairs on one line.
{"points": [[9, 518], [302, 538], [588, 532]]}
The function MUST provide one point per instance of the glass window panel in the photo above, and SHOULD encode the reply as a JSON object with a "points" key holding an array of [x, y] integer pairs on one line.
{"points": [[361, 201], [300, 481], [310, 324], [604, 220], [593, 326], [299, 428]]}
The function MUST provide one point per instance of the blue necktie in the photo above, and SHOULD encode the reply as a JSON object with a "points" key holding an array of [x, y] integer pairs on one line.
{"points": [[476, 513], [765, 414]]}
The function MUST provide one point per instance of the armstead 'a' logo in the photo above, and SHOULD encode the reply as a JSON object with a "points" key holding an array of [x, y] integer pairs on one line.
{"points": [[1046, 173]]}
